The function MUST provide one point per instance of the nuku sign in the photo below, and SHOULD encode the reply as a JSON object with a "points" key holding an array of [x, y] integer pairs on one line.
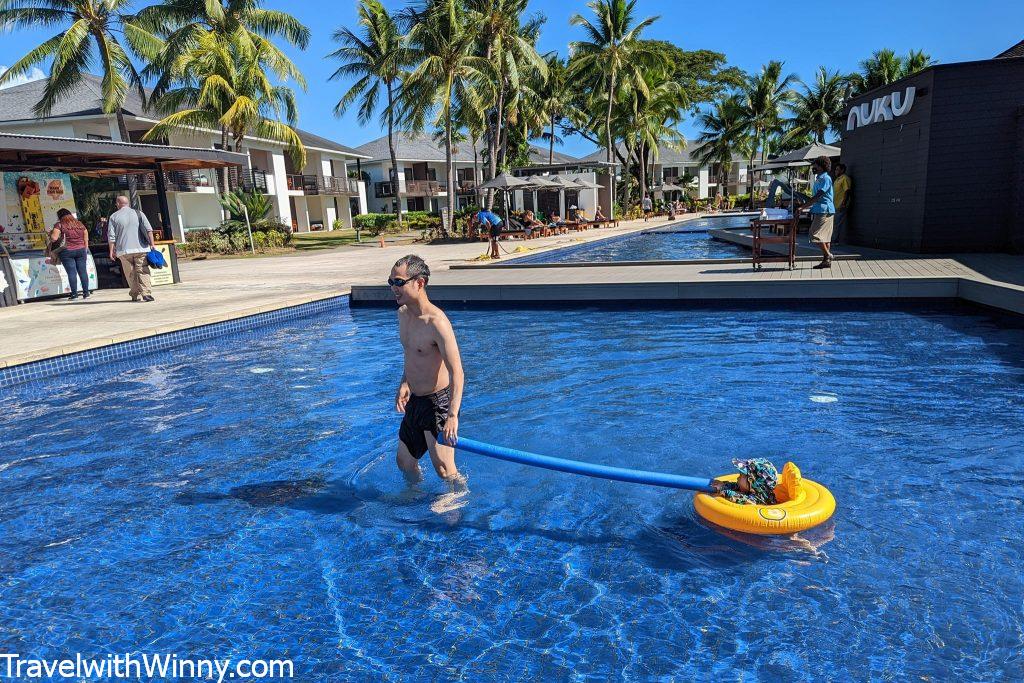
{"points": [[881, 109]]}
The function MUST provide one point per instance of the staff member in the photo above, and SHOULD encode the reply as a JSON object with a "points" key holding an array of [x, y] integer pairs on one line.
{"points": [[843, 188], [493, 223], [822, 208]]}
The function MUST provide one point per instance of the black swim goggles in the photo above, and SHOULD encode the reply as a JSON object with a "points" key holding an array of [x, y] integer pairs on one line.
{"points": [[399, 282]]}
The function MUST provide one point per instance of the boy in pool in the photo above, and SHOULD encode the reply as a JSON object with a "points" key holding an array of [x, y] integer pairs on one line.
{"points": [[756, 485]]}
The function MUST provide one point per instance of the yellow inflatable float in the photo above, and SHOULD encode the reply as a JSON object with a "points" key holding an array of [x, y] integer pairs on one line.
{"points": [[802, 504]]}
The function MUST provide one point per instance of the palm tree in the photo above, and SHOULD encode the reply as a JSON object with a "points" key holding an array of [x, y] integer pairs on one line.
{"points": [[89, 29], [378, 59], [819, 108], [763, 98], [225, 87], [723, 129], [916, 60], [508, 43], [447, 71], [613, 46], [654, 113], [554, 98], [882, 68], [183, 23]]}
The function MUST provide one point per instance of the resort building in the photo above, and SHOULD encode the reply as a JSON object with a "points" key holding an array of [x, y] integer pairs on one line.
{"points": [[937, 159], [422, 180], [308, 198], [680, 167]]}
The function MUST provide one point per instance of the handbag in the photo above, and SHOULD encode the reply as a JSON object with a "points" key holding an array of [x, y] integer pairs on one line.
{"points": [[143, 233], [58, 245]]}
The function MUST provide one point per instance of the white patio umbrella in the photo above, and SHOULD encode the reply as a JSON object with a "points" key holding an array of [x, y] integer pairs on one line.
{"points": [[505, 183]]}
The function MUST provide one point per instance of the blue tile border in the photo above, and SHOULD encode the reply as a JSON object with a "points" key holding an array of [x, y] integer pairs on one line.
{"points": [[82, 360]]}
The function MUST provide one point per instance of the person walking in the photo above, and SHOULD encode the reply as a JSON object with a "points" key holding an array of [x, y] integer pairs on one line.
{"points": [[75, 252], [130, 237], [648, 207], [822, 208], [843, 187]]}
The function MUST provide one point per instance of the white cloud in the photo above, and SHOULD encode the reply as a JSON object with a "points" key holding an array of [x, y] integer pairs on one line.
{"points": [[34, 75]]}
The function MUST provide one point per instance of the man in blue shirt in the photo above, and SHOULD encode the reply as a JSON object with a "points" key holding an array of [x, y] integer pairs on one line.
{"points": [[821, 209], [492, 222]]}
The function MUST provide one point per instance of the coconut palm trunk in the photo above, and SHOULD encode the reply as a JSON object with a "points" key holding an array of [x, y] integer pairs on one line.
{"points": [[449, 164], [133, 181], [394, 154], [551, 143]]}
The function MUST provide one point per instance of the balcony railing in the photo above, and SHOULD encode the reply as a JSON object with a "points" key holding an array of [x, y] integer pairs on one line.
{"points": [[336, 185], [425, 187], [174, 181], [466, 187], [319, 184], [249, 180], [429, 188]]}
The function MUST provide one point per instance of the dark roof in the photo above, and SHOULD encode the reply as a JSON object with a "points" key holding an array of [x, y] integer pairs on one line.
{"points": [[539, 156], [312, 140], [423, 147], [104, 157], [1015, 51], [667, 156], [85, 99]]}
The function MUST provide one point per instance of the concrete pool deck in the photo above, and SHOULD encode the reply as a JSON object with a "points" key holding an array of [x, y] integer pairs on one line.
{"points": [[226, 289], [216, 290]]}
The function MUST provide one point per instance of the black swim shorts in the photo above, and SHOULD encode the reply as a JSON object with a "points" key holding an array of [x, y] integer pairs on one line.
{"points": [[496, 230], [424, 414]]}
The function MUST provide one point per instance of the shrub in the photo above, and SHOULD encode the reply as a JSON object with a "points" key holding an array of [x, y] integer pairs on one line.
{"points": [[337, 224], [375, 223]]}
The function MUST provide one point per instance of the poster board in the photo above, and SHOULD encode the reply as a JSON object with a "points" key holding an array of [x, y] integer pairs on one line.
{"points": [[35, 278], [28, 207], [162, 276]]}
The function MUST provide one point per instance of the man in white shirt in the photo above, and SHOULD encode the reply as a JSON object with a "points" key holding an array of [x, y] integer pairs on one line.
{"points": [[127, 245]]}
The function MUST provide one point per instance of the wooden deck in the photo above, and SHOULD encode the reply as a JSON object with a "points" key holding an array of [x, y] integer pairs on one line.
{"points": [[993, 280]]}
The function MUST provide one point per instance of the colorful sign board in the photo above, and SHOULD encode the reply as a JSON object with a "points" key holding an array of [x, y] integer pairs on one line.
{"points": [[29, 203]]}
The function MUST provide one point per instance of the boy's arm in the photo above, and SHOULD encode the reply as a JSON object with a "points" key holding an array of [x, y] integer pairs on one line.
{"points": [[449, 350]]}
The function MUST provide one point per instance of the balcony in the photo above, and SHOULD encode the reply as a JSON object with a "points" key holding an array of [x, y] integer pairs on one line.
{"points": [[466, 187], [174, 181], [319, 184], [249, 180], [427, 188]]}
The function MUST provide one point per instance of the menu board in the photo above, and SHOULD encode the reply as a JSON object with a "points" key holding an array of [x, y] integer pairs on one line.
{"points": [[29, 203], [34, 277]]}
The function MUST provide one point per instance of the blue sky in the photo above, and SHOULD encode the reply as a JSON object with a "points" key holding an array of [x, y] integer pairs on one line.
{"points": [[803, 34]]}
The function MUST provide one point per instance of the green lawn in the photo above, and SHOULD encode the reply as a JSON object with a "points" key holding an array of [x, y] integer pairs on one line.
{"points": [[306, 241]]}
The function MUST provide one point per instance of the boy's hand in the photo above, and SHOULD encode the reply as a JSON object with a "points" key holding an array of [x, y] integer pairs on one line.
{"points": [[402, 397], [451, 430], [717, 485]]}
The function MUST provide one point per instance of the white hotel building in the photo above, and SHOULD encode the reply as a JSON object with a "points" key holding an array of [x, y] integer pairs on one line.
{"points": [[312, 197]]}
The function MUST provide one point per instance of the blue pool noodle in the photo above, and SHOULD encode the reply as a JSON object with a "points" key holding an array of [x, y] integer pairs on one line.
{"points": [[589, 469]]}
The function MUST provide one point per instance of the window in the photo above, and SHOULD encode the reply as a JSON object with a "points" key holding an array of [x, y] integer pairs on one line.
{"points": [[671, 172]]}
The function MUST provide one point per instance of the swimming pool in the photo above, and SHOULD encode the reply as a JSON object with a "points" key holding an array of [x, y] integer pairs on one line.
{"points": [[679, 241], [239, 498]]}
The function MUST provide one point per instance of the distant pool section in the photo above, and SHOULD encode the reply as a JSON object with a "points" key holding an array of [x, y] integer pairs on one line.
{"points": [[682, 241]]}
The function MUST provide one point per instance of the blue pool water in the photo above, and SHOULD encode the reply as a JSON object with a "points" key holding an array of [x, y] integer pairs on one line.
{"points": [[239, 498], [679, 241]]}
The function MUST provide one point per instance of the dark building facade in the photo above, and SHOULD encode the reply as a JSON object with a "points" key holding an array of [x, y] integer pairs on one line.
{"points": [[937, 160]]}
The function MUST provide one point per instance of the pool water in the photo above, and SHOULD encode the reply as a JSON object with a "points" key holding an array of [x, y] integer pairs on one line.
{"points": [[240, 499], [679, 241]]}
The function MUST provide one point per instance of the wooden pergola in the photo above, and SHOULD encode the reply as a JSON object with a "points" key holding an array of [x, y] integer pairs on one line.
{"points": [[98, 158]]}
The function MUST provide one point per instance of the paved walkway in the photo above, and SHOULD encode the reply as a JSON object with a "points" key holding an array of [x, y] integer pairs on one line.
{"points": [[221, 289]]}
